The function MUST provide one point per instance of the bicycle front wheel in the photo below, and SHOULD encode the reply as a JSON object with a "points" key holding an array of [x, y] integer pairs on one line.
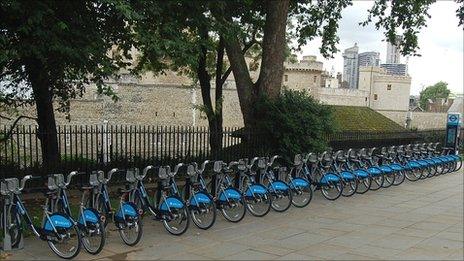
{"points": [[131, 231], [67, 244], [399, 178], [203, 215], [177, 221], [93, 237], [301, 195], [332, 190]]}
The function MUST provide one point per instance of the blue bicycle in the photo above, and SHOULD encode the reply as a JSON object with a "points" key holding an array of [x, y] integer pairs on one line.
{"points": [[127, 217], [89, 220], [229, 200], [169, 206], [201, 203], [58, 229]]}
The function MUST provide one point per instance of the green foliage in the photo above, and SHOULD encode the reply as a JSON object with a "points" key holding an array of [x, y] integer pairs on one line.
{"points": [[351, 118], [433, 92], [406, 17], [63, 44], [294, 123]]}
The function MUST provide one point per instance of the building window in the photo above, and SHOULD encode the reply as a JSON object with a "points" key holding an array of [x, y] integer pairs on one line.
{"points": [[286, 78], [389, 87], [315, 78], [376, 97]]}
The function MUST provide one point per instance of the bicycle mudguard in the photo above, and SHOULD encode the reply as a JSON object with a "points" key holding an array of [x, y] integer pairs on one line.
{"points": [[299, 182], [59, 220], [412, 165], [171, 202], [437, 160], [89, 215], [430, 161], [385, 169], [200, 197], [130, 210], [396, 167], [278, 185], [255, 189], [423, 163], [347, 175], [361, 173], [329, 177], [374, 171], [230, 193]]}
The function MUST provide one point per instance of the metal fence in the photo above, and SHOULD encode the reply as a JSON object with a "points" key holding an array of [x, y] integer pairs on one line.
{"points": [[105, 146]]}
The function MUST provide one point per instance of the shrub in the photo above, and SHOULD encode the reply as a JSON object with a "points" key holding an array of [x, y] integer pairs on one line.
{"points": [[294, 123]]}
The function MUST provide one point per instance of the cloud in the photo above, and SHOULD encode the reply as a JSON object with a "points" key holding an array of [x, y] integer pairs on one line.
{"points": [[440, 43]]}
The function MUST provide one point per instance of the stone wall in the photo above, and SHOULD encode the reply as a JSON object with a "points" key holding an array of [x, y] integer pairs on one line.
{"points": [[419, 120], [145, 105], [346, 97]]}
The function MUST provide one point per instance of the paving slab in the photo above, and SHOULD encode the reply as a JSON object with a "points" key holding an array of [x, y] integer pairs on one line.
{"points": [[420, 220]]}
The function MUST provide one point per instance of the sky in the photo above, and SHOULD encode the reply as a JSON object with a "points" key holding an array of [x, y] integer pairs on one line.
{"points": [[440, 43]]}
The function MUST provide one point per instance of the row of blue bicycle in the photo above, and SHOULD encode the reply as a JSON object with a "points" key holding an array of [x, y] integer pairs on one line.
{"points": [[257, 186]]}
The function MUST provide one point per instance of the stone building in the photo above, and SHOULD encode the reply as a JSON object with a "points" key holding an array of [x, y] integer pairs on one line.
{"points": [[385, 91]]}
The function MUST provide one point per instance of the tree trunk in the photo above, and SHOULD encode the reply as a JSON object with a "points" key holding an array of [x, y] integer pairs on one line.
{"points": [[43, 97], [272, 65], [243, 82], [214, 115], [274, 42]]}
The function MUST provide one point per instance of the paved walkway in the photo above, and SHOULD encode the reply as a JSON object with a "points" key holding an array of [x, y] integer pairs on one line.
{"points": [[417, 220]]}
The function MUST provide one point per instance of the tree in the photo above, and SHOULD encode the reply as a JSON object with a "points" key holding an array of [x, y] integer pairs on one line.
{"points": [[184, 37], [312, 19], [51, 49], [433, 92]]}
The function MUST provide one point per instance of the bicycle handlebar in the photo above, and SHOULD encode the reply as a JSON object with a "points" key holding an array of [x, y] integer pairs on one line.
{"points": [[144, 172], [252, 162], [110, 174], [25, 179], [176, 169], [203, 166], [273, 159]]}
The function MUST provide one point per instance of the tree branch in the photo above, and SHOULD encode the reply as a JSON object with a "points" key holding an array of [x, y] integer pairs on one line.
{"points": [[246, 47], [10, 131]]}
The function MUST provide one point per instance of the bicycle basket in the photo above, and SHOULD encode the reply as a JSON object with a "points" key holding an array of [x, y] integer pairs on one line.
{"points": [[163, 173], [9, 186], [55, 181], [262, 163], [191, 170], [218, 166], [298, 160], [93, 179], [130, 175]]}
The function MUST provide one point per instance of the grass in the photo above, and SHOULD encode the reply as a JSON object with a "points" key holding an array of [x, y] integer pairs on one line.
{"points": [[351, 118]]}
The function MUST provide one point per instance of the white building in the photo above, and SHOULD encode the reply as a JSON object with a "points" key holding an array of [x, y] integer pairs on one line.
{"points": [[385, 91], [350, 66]]}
